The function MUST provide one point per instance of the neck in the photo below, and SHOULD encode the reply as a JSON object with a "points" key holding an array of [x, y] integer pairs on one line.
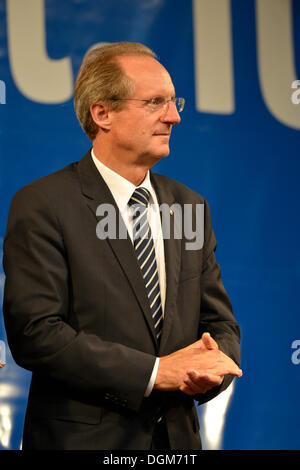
{"points": [[132, 170]]}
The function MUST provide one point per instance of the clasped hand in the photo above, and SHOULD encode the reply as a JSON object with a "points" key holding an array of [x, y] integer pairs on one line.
{"points": [[196, 368]]}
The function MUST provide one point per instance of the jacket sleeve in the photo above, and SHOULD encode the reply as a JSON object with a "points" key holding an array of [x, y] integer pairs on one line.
{"points": [[36, 310], [216, 310]]}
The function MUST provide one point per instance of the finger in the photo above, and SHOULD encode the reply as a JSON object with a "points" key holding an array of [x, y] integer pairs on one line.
{"points": [[233, 370], [209, 342], [209, 379], [195, 388], [190, 389], [193, 381], [186, 389], [236, 371], [225, 365], [201, 382], [197, 344]]}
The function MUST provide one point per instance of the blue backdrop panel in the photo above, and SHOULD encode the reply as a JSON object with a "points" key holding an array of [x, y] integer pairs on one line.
{"points": [[237, 145]]}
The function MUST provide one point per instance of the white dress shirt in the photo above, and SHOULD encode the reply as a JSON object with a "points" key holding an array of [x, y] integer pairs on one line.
{"points": [[122, 190]]}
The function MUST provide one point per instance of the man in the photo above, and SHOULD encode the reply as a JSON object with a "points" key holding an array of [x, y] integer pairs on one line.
{"points": [[121, 333]]}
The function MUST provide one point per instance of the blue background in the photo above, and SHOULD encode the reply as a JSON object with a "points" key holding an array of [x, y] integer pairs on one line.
{"points": [[245, 163]]}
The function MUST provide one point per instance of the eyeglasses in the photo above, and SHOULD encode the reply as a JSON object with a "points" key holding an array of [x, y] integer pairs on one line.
{"points": [[157, 103]]}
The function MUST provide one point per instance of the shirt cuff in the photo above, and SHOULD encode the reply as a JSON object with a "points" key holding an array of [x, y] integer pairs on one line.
{"points": [[152, 378]]}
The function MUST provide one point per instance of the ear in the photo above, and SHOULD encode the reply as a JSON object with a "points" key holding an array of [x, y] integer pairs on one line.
{"points": [[101, 115]]}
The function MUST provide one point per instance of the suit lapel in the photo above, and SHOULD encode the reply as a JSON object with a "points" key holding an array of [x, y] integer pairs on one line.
{"points": [[172, 248], [97, 192]]}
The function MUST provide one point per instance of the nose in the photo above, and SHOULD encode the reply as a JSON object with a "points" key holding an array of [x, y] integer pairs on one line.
{"points": [[170, 114]]}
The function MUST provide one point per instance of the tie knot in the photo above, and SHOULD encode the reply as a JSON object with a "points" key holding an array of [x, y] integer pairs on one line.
{"points": [[140, 197]]}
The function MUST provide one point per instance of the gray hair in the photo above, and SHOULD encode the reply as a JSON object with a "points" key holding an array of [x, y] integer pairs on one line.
{"points": [[101, 78]]}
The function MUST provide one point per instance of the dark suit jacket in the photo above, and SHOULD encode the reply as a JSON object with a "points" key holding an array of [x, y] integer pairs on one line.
{"points": [[77, 315]]}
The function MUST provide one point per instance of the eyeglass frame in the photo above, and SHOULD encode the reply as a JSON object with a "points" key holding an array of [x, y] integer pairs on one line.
{"points": [[180, 101]]}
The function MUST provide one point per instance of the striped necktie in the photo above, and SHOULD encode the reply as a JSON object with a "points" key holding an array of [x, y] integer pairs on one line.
{"points": [[144, 248]]}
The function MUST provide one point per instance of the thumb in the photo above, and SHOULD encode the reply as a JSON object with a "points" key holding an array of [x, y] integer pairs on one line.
{"points": [[209, 342]]}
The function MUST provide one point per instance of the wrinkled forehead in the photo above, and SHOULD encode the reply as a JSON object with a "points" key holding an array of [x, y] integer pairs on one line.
{"points": [[147, 74]]}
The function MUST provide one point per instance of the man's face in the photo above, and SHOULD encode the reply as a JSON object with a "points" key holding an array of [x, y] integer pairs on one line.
{"points": [[139, 132]]}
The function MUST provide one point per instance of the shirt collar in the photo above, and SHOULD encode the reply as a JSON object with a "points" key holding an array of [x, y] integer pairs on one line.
{"points": [[120, 187]]}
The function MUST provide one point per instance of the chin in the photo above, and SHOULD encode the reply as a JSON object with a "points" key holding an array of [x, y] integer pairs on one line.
{"points": [[163, 152], [154, 157]]}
